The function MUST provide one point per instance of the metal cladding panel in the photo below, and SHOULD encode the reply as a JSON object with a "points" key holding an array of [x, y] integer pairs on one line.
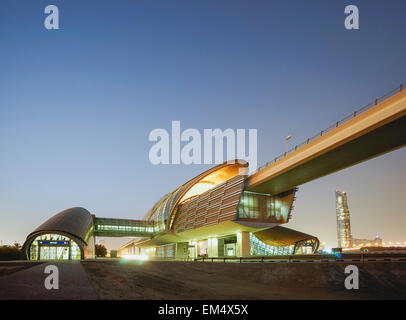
{"points": [[216, 205], [281, 236], [75, 221]]}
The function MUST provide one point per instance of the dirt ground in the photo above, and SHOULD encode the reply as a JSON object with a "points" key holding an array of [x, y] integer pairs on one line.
{"points": [[7, 268], [211, 281]]}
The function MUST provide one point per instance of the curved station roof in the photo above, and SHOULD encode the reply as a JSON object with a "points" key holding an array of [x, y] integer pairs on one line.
{"points": [[76, 223], [163, 210]]}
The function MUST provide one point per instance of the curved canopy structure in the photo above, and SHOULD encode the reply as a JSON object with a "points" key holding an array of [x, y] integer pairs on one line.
{"points": [[281, 237], [66, 235]]}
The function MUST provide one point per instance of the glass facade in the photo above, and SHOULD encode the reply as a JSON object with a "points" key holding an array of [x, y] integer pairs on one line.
{"points": [[166, 251], [263, 207], [110, 227], [203, 248], [259, 248], [54, 247], [161, 211], [306, 247], [124, 228], [230, 249], [198, 189]]}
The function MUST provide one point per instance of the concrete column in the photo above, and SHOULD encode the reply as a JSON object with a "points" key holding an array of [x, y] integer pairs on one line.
{"points": [[220, 247], [213, 250], [181, 250], [243, 244], [193, 249]]}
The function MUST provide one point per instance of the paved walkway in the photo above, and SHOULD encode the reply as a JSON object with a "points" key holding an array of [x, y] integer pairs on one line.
{"points": [[29, 283]]}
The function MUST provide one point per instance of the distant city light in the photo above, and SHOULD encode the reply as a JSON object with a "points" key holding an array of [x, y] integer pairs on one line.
{"points": [[141, 257]]}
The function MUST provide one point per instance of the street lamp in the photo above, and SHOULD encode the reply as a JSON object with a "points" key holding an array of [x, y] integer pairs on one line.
{"points": [[287, 139]]}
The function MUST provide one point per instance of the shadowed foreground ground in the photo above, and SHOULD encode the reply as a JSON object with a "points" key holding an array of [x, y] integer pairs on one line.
{"points": [[29, 283], [7, 268], [199, 280]]}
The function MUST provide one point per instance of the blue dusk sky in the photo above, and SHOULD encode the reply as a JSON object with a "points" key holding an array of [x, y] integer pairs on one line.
{"points": [[77, 104]]}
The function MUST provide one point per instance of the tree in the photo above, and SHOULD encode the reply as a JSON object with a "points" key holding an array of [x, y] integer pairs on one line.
{"points": [[101, 250], [11, 253], [17, 245]]}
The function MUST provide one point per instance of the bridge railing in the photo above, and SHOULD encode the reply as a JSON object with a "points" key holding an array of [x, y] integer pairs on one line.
{"points": [[335, 125], [345, 257]]}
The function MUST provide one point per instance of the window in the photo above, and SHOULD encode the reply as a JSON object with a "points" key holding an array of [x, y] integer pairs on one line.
{"points": [[54, 247]]}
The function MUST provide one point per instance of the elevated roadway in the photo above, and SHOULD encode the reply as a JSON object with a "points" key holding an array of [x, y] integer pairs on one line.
{"points": [[374, 130]]}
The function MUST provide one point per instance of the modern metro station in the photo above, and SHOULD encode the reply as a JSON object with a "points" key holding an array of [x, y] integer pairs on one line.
{"points": [[224, 212], [211, 215]]}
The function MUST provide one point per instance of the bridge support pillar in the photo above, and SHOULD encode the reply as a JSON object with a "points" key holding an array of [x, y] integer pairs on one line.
{"points": [[213, 250], [181, 250], [243, 244]]}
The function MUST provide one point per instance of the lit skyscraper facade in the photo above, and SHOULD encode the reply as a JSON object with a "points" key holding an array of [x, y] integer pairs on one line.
{"points": [[343, 220]]}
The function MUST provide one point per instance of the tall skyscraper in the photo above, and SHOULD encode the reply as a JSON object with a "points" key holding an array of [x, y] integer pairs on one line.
{"points": [[343, 220]]}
